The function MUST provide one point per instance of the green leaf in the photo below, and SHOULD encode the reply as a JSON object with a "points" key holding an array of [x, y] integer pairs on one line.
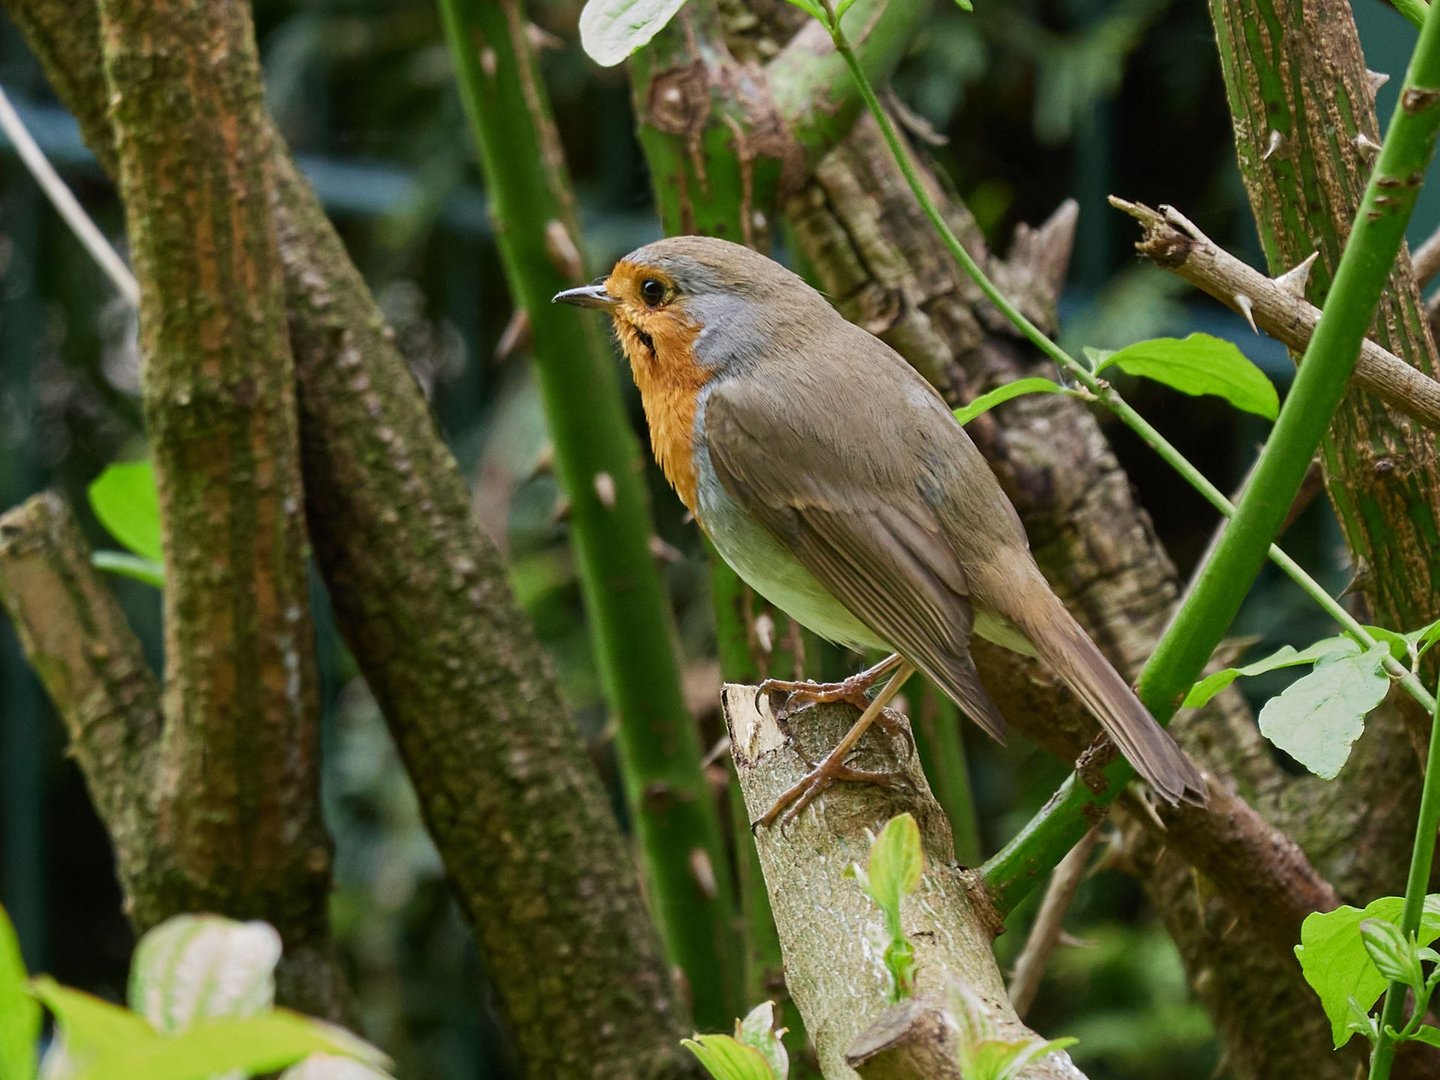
{"points": [[896, 863], [610, 30], [256, 1044], [1422, 639], [1284, 657], [758, 1030], [1001, 394], [725, 1058], [1335, 963], [124, 499], [19, 1014], [1199, 364], [131, 566], [1426, 1034], [1394, 957], [1320, 715], [203, 967], [964, 5]]}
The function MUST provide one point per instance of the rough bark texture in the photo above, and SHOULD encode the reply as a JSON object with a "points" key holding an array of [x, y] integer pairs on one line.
{"points": [[237, 816], [1278, 307], [93, 668], [833, 963], [1299, 97], [509, 795]]}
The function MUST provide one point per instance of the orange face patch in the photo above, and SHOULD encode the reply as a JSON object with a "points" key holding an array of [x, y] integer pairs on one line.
{"points": [[659, 342]]}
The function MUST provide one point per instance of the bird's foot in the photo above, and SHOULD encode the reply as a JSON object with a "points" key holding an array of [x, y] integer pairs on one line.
{"points": [[796, 696], [814, 783]]}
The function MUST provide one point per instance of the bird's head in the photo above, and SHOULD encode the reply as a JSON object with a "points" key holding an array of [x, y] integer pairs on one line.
{"points": [[694, 301]]}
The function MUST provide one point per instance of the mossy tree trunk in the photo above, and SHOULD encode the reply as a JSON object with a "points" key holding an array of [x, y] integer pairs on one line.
{"points": [[506, 787]]}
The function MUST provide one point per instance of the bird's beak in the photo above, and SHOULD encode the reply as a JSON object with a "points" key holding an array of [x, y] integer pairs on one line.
{"points": [[591, 296]]}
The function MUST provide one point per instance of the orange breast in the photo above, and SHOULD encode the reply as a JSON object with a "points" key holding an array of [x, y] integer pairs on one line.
{"points": [[669, 380]]}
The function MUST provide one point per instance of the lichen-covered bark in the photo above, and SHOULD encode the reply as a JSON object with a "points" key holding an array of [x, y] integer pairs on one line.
{"points": [[833, 963], [508, 793], [237, 813]]}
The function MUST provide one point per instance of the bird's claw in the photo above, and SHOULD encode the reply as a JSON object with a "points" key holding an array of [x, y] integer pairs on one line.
{"points": [[797, 696], [809, 787]]}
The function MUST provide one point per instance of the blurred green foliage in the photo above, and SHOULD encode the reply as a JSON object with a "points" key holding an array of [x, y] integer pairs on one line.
{"points": [[1024, 104]]}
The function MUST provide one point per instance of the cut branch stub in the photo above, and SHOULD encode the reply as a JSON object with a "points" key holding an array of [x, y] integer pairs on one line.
{"points": [[831, 934]]}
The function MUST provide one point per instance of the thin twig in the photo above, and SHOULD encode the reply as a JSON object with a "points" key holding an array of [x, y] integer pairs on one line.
{"points": [[1049, 921], [1276, 306], [65, 202]]}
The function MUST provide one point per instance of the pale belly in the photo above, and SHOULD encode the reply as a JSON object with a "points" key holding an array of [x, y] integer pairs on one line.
{"points": [[775, 574], [768, 568]]}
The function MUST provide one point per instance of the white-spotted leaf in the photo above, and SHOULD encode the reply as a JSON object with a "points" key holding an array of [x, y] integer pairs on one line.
{"points": [[203, 967], [1198, 364], [1319, 716], [330, 1067], [758, 1030], [610, 30]]}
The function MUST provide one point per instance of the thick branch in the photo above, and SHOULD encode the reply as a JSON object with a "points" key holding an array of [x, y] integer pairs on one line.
{"points": [[507, 791], [1274, 305], [238, 811], [832, 967]]}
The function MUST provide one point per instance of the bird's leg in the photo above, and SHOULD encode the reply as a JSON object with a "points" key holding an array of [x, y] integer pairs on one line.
{"points": [[802, 695], [833, 767]]}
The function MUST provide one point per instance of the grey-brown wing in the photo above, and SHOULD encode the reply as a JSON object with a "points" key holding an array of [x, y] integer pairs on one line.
{"points": [[867, 535]]}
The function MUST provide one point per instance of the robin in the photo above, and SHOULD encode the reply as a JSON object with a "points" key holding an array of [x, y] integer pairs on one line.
{"points": [[835, 481]]}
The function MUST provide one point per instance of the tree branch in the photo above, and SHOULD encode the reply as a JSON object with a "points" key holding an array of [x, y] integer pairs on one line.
{"points": [[1276, 306], [507, 791], [832, 969], [93, 668], [238, 812]]}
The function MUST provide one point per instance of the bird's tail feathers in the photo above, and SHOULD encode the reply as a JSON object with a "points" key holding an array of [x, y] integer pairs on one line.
{"points": [[1061, 642]]}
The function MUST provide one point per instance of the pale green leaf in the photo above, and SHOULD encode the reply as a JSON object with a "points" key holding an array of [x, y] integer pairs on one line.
{"points": [[1320, 715], [1199, 364], [19, 1013], [1001, 394], [964, 5], [1284, 657], [124, 499], [1335, 963], [896, 863], [131, 566], [1392, 955], [758, 1030], [610, 30], [725, 1058], [203, 967], [1426, 1034]]}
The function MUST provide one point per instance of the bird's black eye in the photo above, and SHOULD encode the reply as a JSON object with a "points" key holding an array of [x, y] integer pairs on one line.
{"points": [[652, 292]]}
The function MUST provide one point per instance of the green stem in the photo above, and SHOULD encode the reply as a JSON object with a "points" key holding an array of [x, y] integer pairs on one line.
{"points": [[939, 738], [1421, 858], [1329, 360], [1414, 10], [600, 467]]}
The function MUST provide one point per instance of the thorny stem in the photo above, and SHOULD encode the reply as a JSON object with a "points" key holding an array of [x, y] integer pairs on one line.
{"points": [[1211, 606]]}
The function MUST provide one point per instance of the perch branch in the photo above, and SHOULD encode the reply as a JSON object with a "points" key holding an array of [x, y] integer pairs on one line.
{"points": [[832, 969]]}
